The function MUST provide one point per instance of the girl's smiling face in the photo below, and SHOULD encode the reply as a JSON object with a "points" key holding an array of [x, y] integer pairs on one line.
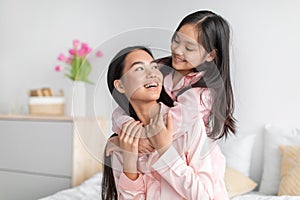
{"points": [[187, 53], [141, 80]]}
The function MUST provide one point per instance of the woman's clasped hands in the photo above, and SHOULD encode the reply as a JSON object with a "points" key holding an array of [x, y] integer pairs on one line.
{"points": [[136, 138], [159, 134]]}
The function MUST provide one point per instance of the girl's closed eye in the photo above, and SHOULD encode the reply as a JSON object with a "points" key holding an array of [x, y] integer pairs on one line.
{"points": [[189, 49], [176, 40]]}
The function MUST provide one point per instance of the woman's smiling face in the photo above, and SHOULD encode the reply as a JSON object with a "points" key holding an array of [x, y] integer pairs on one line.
{"points": [[141, 80]]}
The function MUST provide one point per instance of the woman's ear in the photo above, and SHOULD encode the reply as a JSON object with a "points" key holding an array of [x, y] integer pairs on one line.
{"points": [[211, 55], [119, 86]]}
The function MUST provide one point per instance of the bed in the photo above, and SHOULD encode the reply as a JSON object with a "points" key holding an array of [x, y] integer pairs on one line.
{"points": [[264, 188], [91, 190], [88, 190]]}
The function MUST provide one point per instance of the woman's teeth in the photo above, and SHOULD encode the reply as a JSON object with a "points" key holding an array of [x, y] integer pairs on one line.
{"points": [[149, 85]]}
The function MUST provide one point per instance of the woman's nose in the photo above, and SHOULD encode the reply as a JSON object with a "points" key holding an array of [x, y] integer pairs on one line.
{"points": [[150, 73]]}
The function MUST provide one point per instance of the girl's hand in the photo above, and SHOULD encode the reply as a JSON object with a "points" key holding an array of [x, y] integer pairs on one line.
{"points": [[159, 135], [145, 146]]}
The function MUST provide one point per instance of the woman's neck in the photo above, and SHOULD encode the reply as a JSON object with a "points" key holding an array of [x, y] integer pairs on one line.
{"points": [[145, 111]]}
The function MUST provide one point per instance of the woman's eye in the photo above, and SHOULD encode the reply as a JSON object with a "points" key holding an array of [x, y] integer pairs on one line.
{"points": [[139, 69], [155, 67]]}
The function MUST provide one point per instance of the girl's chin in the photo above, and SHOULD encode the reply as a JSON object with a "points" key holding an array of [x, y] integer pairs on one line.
{"points": [[178, 65]]}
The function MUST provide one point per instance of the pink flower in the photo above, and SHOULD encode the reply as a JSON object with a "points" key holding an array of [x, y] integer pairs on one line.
{"points": [[88, 50], [84, 46], [76, 43], [72, 52], [69, 60], [61, 57], [81, 52], [99, 54], [76, 57], [58, 68]]}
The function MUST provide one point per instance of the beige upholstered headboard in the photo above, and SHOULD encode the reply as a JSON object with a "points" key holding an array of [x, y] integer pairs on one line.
{"points": [[89, 142]]}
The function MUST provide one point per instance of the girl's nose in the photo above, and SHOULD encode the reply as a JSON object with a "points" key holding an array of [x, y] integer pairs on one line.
{"points": [[178, 49]]}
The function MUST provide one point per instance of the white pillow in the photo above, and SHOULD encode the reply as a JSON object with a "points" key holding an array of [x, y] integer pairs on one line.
{"points": [[237, 151], [273, 137]]}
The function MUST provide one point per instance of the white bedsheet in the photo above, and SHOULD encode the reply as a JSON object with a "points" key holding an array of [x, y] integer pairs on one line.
{"points": [[88, 190], [91, 190], [257, 196]]}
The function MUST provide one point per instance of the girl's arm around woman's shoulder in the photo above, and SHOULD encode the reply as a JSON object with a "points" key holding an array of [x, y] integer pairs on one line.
{"points": [[193, 104], [119, 117]]}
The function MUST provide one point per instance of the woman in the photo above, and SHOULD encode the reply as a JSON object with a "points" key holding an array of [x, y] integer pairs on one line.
{"points": [[180, 167]]}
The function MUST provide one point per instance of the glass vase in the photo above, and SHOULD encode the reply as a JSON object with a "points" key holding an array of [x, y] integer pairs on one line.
{"points": [[79, 99]]}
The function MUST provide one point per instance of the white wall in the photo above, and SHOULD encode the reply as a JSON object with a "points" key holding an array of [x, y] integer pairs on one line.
{"points": [[265, 48]]}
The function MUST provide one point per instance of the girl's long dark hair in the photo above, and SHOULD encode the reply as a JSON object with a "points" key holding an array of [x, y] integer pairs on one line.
{"points": [[115, 72], [213, 35]]}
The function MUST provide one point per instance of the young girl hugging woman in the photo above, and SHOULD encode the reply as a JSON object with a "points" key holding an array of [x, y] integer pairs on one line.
{"points": [[197, 78], [179, 167]]}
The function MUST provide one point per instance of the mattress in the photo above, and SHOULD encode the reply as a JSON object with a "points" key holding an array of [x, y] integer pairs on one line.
{"points": [[88, 190], [257, 196], [91, 190]]}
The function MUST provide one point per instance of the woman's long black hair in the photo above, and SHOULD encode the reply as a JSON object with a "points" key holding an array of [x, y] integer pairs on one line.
{"points": [[213, 35], [115, 72]]}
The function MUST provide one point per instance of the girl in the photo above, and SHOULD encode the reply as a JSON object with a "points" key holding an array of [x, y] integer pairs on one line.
{"points": [[200, 53], [178, 169]]}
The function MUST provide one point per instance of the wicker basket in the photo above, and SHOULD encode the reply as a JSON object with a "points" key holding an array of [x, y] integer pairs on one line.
{"points": [[47, 106]]}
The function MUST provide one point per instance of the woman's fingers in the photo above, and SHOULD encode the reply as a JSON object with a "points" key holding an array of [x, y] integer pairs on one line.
{"points": [[127, 129], [145, 146], [124, 129], [137, 135], [155, 126], [130, 135], [157, 118], [169, 122], [132, 131], [157, 133]]}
